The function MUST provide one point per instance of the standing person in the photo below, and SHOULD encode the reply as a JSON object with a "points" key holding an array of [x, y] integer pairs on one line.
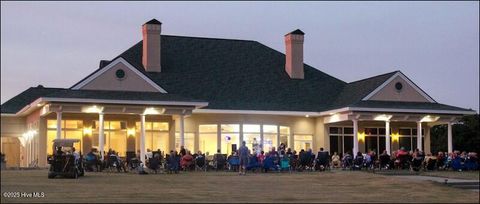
{"points": [[243, 155], [255, 148]]}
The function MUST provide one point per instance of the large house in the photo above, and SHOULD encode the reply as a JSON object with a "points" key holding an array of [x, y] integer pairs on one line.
{"points": [[207, 94]]}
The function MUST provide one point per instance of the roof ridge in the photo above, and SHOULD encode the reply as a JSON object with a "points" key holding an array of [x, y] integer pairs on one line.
{"points": [[374, 77], [207, 38]]}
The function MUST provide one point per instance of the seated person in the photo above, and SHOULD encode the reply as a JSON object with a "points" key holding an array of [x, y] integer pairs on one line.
{"points": [[173, 162], [91, 160], [186, 161], [154, 163], [358, 162], [384, 160], [322, 159], [336, 160], [219, 160]]}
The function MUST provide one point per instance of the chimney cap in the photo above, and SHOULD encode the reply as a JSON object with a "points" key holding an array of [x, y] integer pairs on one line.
{"points": [[296, 32], [154, 21]]}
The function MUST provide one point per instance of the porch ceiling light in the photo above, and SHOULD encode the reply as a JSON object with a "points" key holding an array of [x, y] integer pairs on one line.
{"points": [[383, 117], [92, 109], [429, 118], [151, 111], [307, 116], [29, 135]]}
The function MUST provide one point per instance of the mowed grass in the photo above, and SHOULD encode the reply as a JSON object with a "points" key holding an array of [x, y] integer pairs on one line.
{"points": [[337, 186]]}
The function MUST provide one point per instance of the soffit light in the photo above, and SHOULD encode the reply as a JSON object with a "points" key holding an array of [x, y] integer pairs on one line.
{"points": [[92, 109], [429, 118], [151, 111]]}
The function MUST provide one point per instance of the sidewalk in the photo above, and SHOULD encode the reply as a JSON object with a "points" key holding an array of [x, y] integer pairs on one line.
{"points": [[458, 183]]}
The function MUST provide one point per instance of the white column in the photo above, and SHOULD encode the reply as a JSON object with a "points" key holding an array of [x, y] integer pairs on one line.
{"points": [[59, 125], [182, 130], [387, 136], [450, 145], [261, 138], [219, 138], [101, 136], [355, 137], [241, 136], [419, 135], [142, 138]]}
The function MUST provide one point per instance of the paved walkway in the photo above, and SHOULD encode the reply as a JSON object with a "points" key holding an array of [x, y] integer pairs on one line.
{"points": [[443, 180], [438, 179]]}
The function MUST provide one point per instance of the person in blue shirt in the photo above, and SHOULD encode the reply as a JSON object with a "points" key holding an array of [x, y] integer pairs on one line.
{"points": [[243, 155]]}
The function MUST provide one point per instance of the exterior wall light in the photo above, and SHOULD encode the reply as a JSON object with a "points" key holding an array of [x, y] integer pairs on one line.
{"points": [[394, 137], [87, 131], [361, 136], [131, 132]]}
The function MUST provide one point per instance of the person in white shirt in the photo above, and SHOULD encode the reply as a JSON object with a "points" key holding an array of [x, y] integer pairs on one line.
{"points": [[75, 154], [149, 154]]}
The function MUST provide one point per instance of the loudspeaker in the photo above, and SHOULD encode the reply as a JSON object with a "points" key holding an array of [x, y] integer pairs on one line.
{"points": [[234, 147]]}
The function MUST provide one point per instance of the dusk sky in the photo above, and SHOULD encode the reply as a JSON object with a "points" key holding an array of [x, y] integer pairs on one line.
{"points": [[436, 44]]}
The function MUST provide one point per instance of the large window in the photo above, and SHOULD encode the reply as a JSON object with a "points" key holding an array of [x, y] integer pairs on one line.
{"points": [[71, 129], [374, 139], [115, 136], [188, 139], [251, 136], [408, 138], [156, 135], [302, 142], [207, 138], [285, 135], [230, 137], [270, 133], [341, 139]]}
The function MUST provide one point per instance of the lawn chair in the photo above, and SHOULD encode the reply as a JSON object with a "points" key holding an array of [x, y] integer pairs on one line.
{"points": [[200, 163], [323, 161], [269, 164], [384, 161], [253, 164], [219, 161], [285, 164], [113, 164], [233, 163]]}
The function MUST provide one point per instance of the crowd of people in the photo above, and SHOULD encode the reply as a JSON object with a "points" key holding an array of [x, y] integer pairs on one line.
{"points": [[244, 160]]}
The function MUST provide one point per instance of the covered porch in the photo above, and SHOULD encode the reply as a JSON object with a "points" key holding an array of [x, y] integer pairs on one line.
{"points": [[362, 131]]}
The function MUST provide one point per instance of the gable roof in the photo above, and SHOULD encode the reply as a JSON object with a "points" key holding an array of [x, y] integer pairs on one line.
{"points": [[406, 79], [110, 64], [357, 90]]}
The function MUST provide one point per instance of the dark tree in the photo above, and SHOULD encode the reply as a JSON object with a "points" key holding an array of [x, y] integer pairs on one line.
{"points": [[466, 135]]}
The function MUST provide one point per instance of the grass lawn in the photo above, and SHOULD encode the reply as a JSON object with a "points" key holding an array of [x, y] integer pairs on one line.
{"points": [[337, 186]]}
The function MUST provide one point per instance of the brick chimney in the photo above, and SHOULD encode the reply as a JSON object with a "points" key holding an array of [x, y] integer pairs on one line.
{"points": [[151, 58], [294, 54]]}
